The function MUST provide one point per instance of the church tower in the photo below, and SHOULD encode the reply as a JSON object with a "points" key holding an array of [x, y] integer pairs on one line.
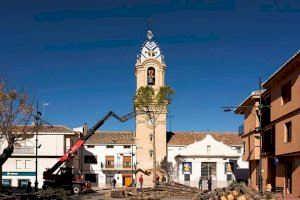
{"points": [[150, 71]]}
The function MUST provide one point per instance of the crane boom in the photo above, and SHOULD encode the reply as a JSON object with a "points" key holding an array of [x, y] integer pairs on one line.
{"points": [[48, 174]]}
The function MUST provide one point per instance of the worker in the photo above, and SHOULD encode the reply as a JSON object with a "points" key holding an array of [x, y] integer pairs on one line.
{"points": [[114, 183], [209, 183], [200, 183], [29, 188], [141, 181]]}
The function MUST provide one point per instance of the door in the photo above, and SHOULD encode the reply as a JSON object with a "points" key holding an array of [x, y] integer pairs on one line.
{"points": [[127, 181], [288, 176], [109, 179]]}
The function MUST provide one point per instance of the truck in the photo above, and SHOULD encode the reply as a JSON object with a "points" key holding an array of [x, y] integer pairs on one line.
{"points": [[67, 177]]}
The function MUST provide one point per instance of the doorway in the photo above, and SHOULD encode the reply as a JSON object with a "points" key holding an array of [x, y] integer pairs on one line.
{"points": [[127, 180], [288, 175]]}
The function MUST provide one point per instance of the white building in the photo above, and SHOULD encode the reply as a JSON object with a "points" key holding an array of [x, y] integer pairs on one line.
{"points": [[20, 167], [198, 154], [108, 156]]}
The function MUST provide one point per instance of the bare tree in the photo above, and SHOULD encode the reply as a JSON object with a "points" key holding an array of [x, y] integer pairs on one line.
{"points": [[153, 104], [15, 113]]}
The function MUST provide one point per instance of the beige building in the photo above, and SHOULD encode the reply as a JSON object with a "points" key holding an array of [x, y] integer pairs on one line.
{"points": [[280, 130], [150, 71]]}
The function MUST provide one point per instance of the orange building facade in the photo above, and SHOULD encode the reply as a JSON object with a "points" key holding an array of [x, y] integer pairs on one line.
{"points": [[280, 133]]}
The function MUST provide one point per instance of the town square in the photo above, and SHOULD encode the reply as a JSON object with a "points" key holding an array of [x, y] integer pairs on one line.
{"points": [[150, 99]]}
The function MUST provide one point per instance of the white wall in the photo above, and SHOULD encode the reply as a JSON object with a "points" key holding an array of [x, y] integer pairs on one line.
{"points": [[101, 152], [198, 153], [52, 147]]}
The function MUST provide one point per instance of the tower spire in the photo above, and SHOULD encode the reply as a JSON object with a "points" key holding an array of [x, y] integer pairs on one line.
{"points": [[149, 27], [149, 24]]}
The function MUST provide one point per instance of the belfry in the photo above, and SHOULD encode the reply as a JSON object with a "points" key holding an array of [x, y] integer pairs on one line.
{"points": [[150, 71]]}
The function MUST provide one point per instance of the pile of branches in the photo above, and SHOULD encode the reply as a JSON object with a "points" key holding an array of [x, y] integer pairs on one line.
{"points": [[238, 191], [161, 191]]}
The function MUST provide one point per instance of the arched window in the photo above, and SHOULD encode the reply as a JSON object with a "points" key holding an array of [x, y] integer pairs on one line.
{"points": [[151, 76]]}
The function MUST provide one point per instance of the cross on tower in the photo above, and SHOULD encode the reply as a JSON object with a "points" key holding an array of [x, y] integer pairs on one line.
{"points": [[149, 25]]}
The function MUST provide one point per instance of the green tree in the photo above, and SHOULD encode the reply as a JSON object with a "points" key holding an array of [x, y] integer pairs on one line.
{"points": [[15, 113], [153, 104]]}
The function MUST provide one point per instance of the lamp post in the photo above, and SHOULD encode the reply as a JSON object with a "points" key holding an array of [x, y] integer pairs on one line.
{"points": [[38, 121], [132, 179], [259, 130]]}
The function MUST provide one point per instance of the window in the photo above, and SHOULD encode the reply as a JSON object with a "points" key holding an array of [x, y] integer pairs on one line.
{"points": [[90, 146], [6, 182], [151, 137], [91, 177], [109, 146], [27, 164], [239, 150], [187, 177], [288, 131], [126, 161], [208, 169], [90, 159], [22, 183], [126, 147], [151, 153], [18, 164], [286, 93], [109, 161]]}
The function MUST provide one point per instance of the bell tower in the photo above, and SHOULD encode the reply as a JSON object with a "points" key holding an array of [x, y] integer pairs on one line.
{"points": [[150, 71]]}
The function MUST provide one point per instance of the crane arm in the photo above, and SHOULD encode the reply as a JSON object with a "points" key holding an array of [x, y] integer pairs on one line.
{"points": [[81, 141]]}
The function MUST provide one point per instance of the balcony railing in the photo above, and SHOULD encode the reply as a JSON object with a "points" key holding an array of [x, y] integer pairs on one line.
{"points": [[115, 167], [24, 150]]}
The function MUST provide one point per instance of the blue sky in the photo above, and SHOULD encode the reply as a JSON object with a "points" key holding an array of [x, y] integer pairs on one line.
{"points": [[79, 55]]}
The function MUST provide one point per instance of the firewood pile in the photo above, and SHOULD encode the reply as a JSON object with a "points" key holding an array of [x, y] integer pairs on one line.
{"points": [[173, 190], [162, 191], [236, 191]]}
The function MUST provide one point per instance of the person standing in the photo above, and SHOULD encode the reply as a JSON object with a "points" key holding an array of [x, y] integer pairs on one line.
{"points": [[200, 183], [114, 183], [209, 183], [141, 181], [29, 188]]}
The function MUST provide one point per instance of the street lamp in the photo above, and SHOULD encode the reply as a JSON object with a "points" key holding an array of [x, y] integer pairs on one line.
{"points": [[258, 130], [38, 121]]}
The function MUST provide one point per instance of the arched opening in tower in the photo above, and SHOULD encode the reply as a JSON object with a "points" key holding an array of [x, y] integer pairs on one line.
{"points": [[151, 76]]}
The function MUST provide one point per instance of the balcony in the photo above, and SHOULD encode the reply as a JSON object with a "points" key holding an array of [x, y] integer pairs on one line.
{"points": [[115, 167], [24, 150]]}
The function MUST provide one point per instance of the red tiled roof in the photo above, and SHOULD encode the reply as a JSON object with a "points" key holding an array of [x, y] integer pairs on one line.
{"points": [[173, 138], [186, 138], [45, 129], [109, 137]]}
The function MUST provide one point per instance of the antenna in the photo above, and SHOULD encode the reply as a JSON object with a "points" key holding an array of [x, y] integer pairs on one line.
{"points": [[149, 25]]}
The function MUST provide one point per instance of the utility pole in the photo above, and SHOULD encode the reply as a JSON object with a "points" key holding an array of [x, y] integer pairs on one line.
{"points": [[258, 130], [38, 121], [260, 106], [37, 117], [132, 179]]}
